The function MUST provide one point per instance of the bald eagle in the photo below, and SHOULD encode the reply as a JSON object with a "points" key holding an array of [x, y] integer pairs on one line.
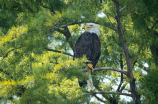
{"points": [[89, 44]]}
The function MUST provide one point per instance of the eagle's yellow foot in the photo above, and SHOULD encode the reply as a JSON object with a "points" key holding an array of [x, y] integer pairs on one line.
{"points": [[91, 67]]}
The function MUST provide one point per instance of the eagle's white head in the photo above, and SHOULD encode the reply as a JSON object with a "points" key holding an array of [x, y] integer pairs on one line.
{"points": [[92, 28]]}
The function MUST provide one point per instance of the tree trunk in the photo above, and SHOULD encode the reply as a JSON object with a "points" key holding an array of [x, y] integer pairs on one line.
{"points": [[135, 96]]}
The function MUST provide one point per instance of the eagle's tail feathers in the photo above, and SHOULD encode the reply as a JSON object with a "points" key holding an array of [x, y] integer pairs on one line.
{"points": [[90, 82]]}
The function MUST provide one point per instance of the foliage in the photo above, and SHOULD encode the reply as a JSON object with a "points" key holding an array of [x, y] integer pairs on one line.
{"points": [[36, 47], [149, 84]]}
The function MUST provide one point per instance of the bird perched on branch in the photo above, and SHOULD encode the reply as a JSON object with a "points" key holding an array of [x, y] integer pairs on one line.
{"points": [[89, 44]]}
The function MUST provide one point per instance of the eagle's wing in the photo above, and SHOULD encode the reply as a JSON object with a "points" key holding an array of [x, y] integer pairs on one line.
{"points": [[88, 44]]}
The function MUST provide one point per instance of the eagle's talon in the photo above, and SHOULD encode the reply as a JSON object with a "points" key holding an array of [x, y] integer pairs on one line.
{"points": [[90, 66]]}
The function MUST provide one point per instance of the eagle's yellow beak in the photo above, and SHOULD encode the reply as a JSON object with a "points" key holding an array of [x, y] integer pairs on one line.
{"points": [[87, 27]]}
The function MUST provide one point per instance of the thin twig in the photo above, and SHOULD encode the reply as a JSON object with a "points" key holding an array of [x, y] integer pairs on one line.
{"points": [[6, 55], [121, 81], [59, 52], [122, 8], [123, 87], [99, 98], [61, 26], [113, 28]]}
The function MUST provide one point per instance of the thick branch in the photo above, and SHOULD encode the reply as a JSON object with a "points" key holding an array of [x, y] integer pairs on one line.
{"points": [[106, 68], [59, 51], [67, 34], [107, 92], [65, 31]]}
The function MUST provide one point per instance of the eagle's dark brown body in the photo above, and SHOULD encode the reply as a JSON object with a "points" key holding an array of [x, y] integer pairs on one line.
{"points": [[88, 44]]}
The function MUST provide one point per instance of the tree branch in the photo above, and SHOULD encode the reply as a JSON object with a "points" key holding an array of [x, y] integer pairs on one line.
{"points": [[50, 8], [9, 52], [155, 33], [67, 34], [113, 28], [98, 98], [107, 92], [61, 26], [121, 81], [122, 8], [154, 25], [106, 68], [123, 87], [59, 51]]}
